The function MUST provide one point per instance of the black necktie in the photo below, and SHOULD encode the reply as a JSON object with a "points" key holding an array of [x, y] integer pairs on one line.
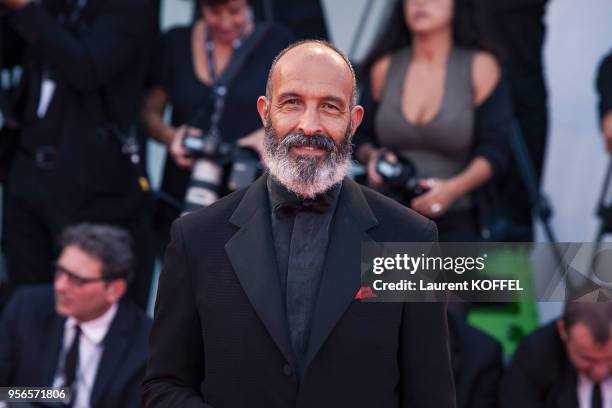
{"points": [[319, 204], [596, 399], [72, 359]]}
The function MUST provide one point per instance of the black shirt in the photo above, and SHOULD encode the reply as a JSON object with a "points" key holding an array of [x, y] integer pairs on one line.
{"points": [[282, 228]]}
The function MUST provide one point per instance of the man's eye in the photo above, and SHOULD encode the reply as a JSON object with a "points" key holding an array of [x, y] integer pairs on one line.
{"points": [[291, 102], [329, 106]]}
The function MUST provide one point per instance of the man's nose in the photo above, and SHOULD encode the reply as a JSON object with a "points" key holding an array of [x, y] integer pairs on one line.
{"points": [[310, 122]]}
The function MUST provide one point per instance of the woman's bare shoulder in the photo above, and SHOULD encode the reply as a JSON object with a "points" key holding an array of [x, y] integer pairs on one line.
{"points": [[378, 75], [486, 73]]}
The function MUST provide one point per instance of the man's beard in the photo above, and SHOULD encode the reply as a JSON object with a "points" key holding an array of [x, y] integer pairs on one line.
{"points": [[306, 176]]}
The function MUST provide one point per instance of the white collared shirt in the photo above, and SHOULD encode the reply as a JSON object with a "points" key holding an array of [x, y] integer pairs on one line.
{"points": [[584, 389], [90, 352]]}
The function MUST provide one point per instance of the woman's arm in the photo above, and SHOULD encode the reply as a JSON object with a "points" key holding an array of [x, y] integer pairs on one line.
{"points": [[367, 150], [152, 113]]}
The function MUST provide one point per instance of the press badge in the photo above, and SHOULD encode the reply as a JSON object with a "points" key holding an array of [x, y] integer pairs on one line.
{"points": [[47, 89]]}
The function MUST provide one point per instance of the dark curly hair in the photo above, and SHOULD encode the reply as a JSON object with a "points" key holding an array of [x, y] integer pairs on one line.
{"points": [[469, 29], [111, 245]]}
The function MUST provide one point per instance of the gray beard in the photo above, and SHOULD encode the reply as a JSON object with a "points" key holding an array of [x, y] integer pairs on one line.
{"points": [[306, 176]]}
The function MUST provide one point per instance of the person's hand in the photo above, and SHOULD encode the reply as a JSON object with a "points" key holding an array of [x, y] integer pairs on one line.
{"points": [[437, 200], [179, 154], [606, 125], [14, 4], [254, 140], [374, 179]]}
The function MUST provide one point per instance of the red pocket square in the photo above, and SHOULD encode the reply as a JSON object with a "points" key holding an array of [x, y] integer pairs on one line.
{"points": [[365, 292]]}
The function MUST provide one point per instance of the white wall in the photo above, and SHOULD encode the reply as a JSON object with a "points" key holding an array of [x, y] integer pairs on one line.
{"points": [[579, 34]]}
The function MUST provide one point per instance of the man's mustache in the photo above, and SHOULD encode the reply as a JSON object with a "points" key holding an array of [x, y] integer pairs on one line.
{"points": [[300, 140]]}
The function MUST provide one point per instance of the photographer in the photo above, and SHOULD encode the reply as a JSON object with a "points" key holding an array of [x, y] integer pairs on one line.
{"points": [[190, 60], [435, 100], [84, 67]]}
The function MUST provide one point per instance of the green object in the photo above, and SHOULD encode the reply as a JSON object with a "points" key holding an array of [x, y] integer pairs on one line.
{"points": [[508, 322]]}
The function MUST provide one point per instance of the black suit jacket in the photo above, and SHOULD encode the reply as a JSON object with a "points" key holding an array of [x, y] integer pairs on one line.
{"points": [[100, 71], [540, 374], [31, 336], [220, 337], [477, 365]]}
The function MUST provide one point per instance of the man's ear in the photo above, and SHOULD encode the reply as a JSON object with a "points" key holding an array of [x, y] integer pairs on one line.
{"points": [[356, 117], [562, 330], [263, 104], [115, 290]]}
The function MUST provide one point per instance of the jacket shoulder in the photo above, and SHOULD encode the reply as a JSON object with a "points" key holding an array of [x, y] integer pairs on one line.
{"points": [[544, 342], [136, 326], [32, 300], [475, 342], [540, 356]]}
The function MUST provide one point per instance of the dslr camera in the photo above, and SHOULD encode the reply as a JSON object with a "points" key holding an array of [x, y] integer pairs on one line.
{"points": [[220, 169], [400, 178]]}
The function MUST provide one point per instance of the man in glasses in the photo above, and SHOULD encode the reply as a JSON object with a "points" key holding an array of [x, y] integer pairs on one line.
{"points": [[81, 333]]}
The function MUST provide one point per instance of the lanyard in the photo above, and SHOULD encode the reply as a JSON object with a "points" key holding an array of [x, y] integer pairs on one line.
{"points": [[219, 89]]}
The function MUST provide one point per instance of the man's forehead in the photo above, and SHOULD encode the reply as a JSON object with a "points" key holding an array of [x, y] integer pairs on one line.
{"points": [[582, 336], [312, 67]]}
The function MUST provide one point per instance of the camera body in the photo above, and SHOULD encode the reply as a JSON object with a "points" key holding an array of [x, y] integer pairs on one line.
{"points": [[401, 178], [205, 146], [220, 168]]}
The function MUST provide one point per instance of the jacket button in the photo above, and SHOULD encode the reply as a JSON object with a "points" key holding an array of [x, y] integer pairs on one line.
{"points": [[287, 370]]}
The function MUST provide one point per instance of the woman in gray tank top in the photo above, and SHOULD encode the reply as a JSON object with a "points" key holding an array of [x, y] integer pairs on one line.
{"points": [[434, 98]]}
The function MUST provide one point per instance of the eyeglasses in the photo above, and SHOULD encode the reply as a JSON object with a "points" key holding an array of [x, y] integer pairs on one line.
{"points": [[73, 278]]}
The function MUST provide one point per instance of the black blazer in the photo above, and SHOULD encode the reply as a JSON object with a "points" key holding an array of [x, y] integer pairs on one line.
{"points": [[100, 71], [540, 374], [31, 336], [477, 365], [220, 336]]}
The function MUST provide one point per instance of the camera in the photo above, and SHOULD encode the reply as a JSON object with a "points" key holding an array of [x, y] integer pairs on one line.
{"points": [[400, 178], [220, 168], [207, 146]]}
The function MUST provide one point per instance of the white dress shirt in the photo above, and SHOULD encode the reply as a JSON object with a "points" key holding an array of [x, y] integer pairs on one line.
{"points": [[90, 352], [584, 390]]}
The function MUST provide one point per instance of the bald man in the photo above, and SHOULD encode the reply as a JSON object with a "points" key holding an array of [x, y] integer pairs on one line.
{"points": [[257, 302]]}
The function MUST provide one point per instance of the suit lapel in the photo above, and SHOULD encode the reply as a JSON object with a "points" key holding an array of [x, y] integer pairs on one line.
{"points": [[52, 348], [251, 253], [115, 344], [342, 268]]}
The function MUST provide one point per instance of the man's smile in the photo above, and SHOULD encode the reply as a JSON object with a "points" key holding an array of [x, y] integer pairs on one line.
{"points": [[307, 151]]}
